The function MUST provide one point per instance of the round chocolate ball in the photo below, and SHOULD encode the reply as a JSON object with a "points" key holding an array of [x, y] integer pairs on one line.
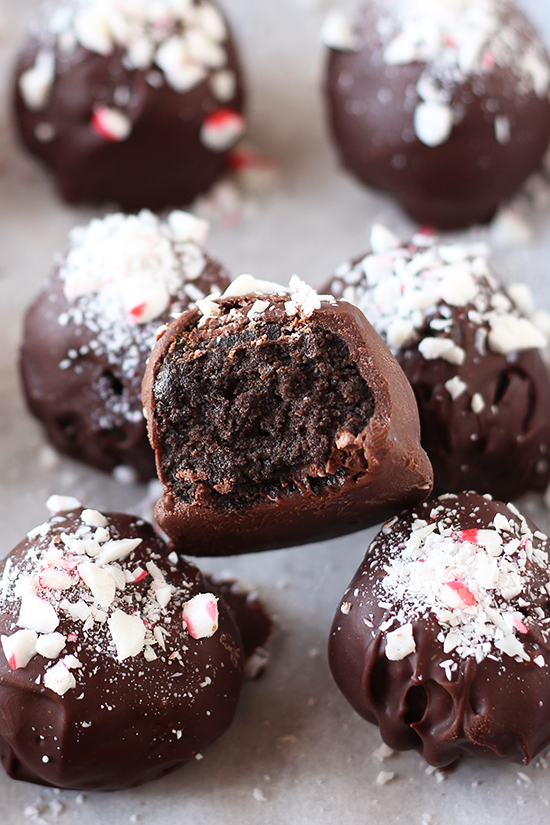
{"points": [[90, 332], [136, 103], [442, 638], [442, 104], [472, 352], [117, 665]]}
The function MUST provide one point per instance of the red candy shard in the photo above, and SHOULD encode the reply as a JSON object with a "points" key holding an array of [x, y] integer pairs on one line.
{"points": [[461, 590]]}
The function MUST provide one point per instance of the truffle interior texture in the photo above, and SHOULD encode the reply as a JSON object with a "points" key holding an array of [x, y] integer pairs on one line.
{"points": [[256, 410]]}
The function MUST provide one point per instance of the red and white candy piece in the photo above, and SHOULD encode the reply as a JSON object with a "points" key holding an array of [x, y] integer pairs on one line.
{"points": [[146, 301], [37, 614], [200, 615], [222, 130], [128, 633], [111, 124], [53, 579], [19, 648], [456, 594]]}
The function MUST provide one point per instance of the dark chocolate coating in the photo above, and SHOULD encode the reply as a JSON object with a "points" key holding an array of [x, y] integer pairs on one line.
{"points": [[492, 709], [134, 707], [504, 448], [382, 471], [92, 410], [463, 180], [162, 164]]}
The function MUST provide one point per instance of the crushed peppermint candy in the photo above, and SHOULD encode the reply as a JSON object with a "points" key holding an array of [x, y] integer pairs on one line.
{"points": [[76, 593], [183, 43], [417, 295], [302, 299], [484, 585], [122, 275], [458, 41]]}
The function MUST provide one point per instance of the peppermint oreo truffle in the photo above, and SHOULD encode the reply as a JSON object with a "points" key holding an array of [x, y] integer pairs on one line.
{"points": [[442, 638], [442, 104], [135, 102], [278, 417], [472, 352], [89, 333], [117, 665]]}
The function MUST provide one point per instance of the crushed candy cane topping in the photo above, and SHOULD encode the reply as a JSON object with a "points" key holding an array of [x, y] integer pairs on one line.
{"points": [[458, 41], [483, 586], [302, 300], [74, 591], [182, 42], [414, 296], [121, 273]]}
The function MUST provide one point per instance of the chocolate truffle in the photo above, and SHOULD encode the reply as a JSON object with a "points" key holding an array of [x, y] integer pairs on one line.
{"points": [[443, 104], [117, 665], [470, 349], [278, 417], [133, 102], [90, 331], [442, 638]]}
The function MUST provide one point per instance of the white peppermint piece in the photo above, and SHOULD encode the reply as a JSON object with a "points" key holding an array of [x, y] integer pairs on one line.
{"points": [[455, 387], [208, 309], [93, 518], [62, 504], [116, 550], [241, 286], [59, 679], [128, 633], [52, 578], [478, 403], [400, 643], [433, 123], [203, 50], [382, 239], [503, 129], [50, 645], [181, 71], [39, 532], [400, 332], [163, 594], [200, 615], [432, 348], [508, 334], [35, 84], [100, 581], [522, 297], [19, 648], [211, 21], [541, 319], [93, 31], [37, 614], [338, 33], [458, 288], [539, 660], [187, 227], [221, 130], [224, 85], [512, 647]]}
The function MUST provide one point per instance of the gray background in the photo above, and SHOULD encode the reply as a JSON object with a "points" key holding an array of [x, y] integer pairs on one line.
{"points": [[296, 752]]}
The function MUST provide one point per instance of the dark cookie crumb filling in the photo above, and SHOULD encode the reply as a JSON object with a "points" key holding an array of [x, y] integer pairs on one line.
{"points": [[253, 410]]}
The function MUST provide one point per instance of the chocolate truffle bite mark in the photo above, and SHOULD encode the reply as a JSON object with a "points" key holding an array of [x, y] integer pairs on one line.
{"points": [[442, 104], [442, 638], [132, 103], [472, 352], [117, 665], [89, 333], [278, 417]]}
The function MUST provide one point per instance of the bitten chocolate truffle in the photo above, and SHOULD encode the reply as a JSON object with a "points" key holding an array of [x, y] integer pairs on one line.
{"points": [[442, 104], [442, 638], [278, 417], [89, 333], [472, 352], [135, 103], [117, 665]]}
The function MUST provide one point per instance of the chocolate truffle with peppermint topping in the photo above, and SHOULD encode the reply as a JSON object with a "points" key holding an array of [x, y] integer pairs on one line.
{"points": [[442, 104], [278, 417], [443, 636], [135, 102], [472, 352], [89, 333], [117, 665]]}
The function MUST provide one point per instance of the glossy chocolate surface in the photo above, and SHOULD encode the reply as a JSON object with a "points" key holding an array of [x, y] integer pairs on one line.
{"points": [[370, 470], [441, 700], [124, 722]]}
